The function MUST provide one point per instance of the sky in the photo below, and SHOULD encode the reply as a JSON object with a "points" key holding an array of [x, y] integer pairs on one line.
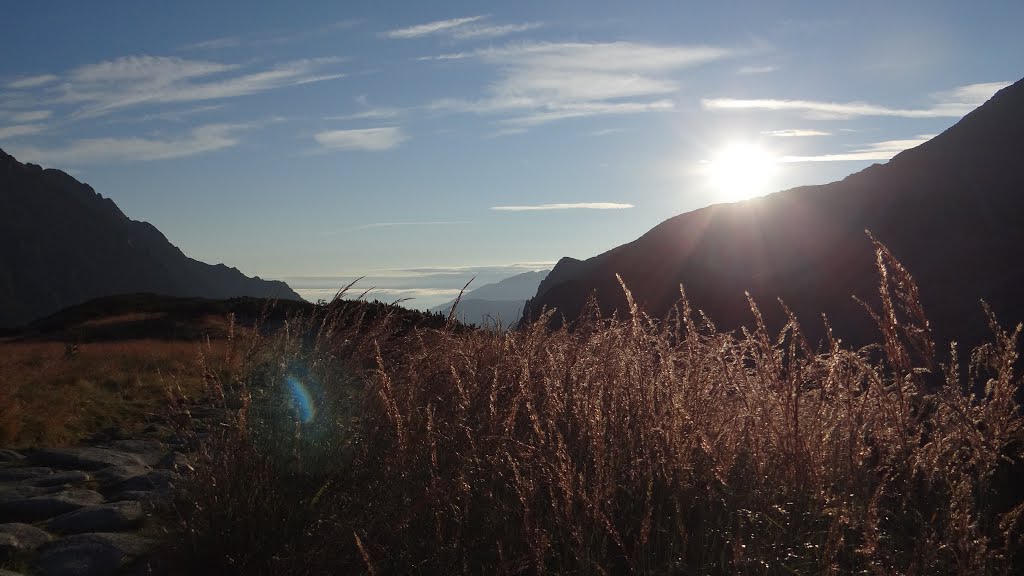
{"points": [[422, 144]]}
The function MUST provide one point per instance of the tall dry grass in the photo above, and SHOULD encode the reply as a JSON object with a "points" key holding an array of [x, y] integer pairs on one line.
{"points": [[624, 445]]}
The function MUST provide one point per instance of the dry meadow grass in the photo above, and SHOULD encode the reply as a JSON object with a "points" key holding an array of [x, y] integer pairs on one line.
{"points": [[629, 445], [52, 396]]}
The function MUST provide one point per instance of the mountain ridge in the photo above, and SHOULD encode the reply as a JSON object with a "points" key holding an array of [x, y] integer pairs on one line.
{"points": [[62, 243], [947, 209], [502, 300]]}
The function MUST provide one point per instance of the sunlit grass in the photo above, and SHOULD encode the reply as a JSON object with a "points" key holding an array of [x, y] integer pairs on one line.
{"points": [[52, 396], [625, 445]]}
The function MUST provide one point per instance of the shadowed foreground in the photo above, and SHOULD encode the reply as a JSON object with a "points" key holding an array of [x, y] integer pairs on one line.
{"points": [[625, 445]]}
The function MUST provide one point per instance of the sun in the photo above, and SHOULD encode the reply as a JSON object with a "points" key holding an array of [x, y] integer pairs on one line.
{"points": [[742, 170]]}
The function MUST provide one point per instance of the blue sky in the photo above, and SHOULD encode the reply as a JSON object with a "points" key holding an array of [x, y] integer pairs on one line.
{"points": [[422, 143]]}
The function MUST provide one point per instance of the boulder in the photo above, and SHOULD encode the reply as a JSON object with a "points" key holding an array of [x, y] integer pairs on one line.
{"points": [[16, 474], [48, 505], [58, 479], [18, 538], [98, 554], [19, 492], [83, 458], [115, 517]]}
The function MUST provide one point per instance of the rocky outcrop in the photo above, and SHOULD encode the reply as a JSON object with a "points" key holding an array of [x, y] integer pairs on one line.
{"points": [[62, 244], [81, 510]]}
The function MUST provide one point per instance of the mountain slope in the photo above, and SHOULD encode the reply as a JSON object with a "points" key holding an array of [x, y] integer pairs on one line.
{"points": [[61, 244], [951, 210], [502, 300]]}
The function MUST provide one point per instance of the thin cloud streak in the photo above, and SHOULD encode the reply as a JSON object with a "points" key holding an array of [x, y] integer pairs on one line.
{"points": [[213, 44], [540, 83], [411, 223], [872, 152], [443, 57], [568, 206], [751, 70], [31, 116], [588, 109], [8, 132], [366, 139], [110, 150], [491, 32], [32, 81], [131, 81], [796, 133], [429, 28], [948, 104], [372, 114]]}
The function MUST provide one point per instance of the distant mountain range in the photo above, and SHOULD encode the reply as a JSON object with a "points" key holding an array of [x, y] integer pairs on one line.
{"points": [[951, 210], [62, 244], [502, 300]]}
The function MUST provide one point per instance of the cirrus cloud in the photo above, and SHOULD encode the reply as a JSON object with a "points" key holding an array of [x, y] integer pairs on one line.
{"points": [[870, 152], [543, 82], [130, 81], [429, 28], [367, 139], [108, 150], [946, 104], [565, 206]]}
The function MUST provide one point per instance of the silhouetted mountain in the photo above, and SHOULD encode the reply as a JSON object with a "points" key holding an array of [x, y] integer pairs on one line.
{"points": [[61, 244], [951, 210], [502, 300]]}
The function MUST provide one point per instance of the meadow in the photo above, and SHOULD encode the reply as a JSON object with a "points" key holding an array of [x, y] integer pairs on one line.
{"points": [[362, 444]]}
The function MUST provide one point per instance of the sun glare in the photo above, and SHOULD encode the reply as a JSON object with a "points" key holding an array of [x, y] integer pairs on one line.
{"points": [[740, 171]]}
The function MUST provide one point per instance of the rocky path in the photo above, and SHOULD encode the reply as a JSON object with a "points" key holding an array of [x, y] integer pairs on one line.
{"points": [[89, 510]]}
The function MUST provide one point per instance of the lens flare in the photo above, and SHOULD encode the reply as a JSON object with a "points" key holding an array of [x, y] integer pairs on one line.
{"points": [[302, 399]]}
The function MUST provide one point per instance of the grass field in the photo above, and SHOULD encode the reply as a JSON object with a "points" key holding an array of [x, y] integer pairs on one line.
{"points": [[367, 439], [630, 445], [51, 398]]}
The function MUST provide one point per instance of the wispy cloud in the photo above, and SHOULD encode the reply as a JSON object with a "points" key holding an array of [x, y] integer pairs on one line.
{"points": [[411, 223], [32, 81], [796, 133], [570, 206], [8, 132], [429, 28], [368, 139], [871, 152], [489, 32], [468, 28], [443, 57], [543, 82], [139, 80], [750, 70], [562, 112], [948, 104], [213, 44], [105, 150], [607, 131], [371, 114], [30, 116]]}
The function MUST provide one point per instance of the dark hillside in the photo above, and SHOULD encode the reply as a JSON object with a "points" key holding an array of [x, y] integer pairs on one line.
{"points": [[950, 210], [61, 244]]}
